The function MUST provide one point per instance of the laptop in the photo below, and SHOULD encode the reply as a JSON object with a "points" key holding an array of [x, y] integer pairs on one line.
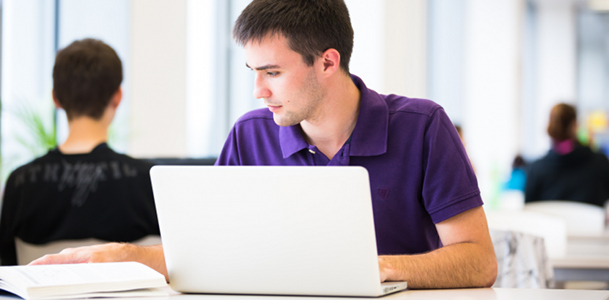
{"points": [[271, 230]]}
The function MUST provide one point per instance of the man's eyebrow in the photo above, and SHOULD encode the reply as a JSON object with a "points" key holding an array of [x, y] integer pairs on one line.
{"points": [[262, 68]]}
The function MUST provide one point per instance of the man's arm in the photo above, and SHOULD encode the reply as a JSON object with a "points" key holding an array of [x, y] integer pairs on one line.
{"points": [[151, 256], [466, 260]]}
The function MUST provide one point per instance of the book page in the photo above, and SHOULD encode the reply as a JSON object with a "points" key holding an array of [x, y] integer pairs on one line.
{"points": [[158, 292], [75, 279], [73, 274]]}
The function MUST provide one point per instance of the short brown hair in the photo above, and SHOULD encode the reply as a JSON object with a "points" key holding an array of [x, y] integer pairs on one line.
{"points": [[310, 26], [85, 76], [562, 119]]}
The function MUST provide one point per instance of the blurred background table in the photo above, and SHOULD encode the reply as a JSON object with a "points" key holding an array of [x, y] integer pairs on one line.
{"points": [[586, 259]]}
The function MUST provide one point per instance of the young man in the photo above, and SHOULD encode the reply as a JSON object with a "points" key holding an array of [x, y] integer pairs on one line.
{"points": [[431, 230], [82, 189]]}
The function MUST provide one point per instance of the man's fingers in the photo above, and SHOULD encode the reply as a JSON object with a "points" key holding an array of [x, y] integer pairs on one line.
{"points": [[66, 256], [86, 254], [66, 251], [49, 259]]}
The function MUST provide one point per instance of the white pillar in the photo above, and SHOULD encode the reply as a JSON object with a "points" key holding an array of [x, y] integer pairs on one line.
{"points": [[158, 65], [446, 53], [492, 88], [405, 48]]}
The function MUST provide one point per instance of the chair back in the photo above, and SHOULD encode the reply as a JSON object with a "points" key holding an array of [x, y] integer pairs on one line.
{"points": [[582, 219], [552, 229]]}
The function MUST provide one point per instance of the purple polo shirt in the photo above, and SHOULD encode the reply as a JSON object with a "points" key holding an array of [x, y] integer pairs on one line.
{"points": [[419, 172]]}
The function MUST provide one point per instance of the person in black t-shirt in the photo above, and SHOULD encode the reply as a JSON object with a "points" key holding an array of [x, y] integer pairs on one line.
{"points": [[81, 189], [569, 171]]}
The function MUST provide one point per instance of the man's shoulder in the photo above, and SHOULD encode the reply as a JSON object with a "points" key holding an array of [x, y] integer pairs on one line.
{"points": [[100, 157], [137, 162], [36, 161], [396, 103], [544, 164], [600, 159], [261, 115], [33, 166], [402, 104]]}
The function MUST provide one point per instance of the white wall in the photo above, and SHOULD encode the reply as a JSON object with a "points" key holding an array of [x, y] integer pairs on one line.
{"points": [[389, 51], [405, 53]]}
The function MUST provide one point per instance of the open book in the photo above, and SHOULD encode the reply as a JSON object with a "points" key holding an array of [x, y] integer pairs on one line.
{"points": [[120, 279]]}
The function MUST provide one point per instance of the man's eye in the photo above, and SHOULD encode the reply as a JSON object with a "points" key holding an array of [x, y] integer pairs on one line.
{"points": [[272, 74]]}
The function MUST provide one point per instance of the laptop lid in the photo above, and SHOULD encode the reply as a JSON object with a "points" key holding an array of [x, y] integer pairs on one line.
{"points": [[268, 230]]}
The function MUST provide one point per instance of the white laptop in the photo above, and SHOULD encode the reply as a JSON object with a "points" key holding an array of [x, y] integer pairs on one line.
{"points": [[268, 230]]}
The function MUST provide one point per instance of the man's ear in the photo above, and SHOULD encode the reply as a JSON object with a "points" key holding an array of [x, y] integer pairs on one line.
{"points": [[331, 61], [116, 98], [57, 105]]}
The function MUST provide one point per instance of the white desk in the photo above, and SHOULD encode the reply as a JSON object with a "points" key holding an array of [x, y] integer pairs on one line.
{"points": [[499, 294], [587, 259], [458, 294]]}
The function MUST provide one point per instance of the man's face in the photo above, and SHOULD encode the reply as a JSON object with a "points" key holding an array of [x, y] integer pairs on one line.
{"points": [[288, 86]]}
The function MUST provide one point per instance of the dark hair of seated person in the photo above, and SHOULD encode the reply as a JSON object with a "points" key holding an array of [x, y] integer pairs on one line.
{"points": [[563, 122], [85, 76]]}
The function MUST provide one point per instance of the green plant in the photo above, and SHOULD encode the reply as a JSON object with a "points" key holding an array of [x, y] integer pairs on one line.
{"points": [[39, 122], [32, 133]]}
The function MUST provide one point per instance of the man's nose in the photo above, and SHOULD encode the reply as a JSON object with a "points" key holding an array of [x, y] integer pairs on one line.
{"points": [[260, 89]]}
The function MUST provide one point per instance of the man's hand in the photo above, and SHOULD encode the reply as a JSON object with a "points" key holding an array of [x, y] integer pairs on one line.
{"points": [[111, 252], [386, 268]]}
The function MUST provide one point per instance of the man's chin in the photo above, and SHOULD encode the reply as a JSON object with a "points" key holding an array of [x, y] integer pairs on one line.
{"points": [[283, 122]]}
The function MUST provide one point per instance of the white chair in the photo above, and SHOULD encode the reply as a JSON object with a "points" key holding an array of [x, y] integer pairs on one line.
{"points": [[524, 242], [581, 219], [551, 228], [27, 252]]}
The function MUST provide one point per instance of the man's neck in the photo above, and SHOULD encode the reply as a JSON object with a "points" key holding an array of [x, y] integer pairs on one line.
{"points": [[336, 121], [85, 134]]}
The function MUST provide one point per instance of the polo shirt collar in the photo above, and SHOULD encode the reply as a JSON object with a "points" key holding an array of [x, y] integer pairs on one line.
{"points": [[291, 139], [369, 138]]}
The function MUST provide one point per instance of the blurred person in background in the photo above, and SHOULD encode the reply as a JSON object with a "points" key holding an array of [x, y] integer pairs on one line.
{"points": [[81, 189], [518, 175], [570, 170]]}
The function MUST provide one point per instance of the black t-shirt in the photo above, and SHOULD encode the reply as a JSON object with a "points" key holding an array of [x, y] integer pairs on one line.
{"points": [[581, 176], [102, 194]]}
